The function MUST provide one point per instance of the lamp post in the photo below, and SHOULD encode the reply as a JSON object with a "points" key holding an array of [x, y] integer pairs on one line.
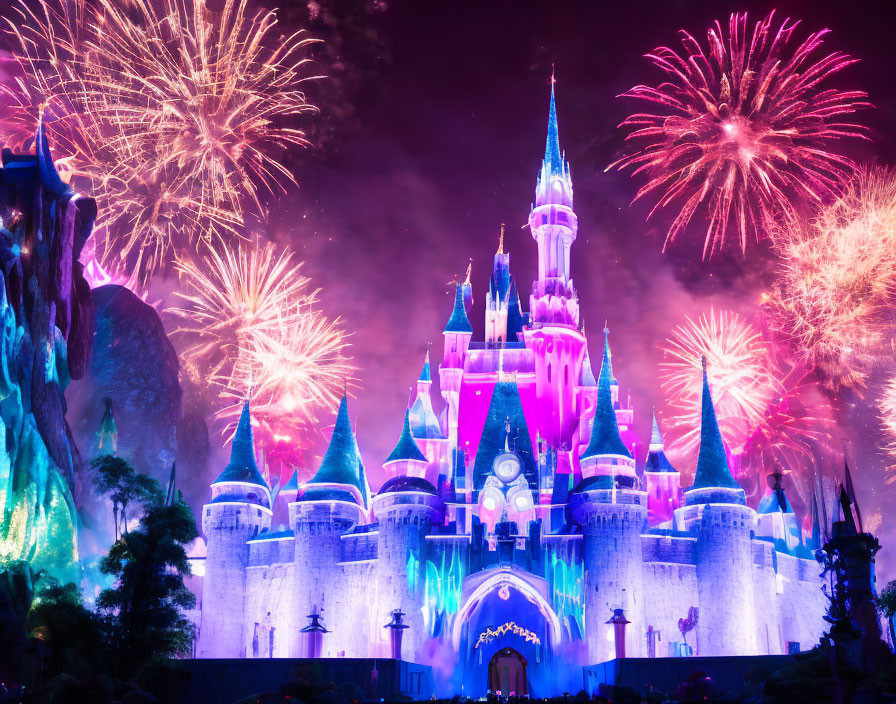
{"points": [[619, 622], [315, 631], [397, 628]]}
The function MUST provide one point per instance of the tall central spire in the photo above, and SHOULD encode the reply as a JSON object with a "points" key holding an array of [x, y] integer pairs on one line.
{"points": [[552, 158]]}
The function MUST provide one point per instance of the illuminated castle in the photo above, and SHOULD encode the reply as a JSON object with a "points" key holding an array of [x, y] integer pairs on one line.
{"points": [[515, 522]]}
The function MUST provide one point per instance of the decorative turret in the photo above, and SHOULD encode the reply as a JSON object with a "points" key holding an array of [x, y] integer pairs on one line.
{"points": [[339, 476], [553, 225], [713, 482], [290, 490], [776, 518], [240, 509], [423, 419], [606, 454], [458, 322], [715, 511], [406, 459], [662, 480], [240, 480], [498, 299]]}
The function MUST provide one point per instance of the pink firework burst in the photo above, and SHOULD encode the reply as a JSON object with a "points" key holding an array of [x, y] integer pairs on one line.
{"points": [[743, 130]]}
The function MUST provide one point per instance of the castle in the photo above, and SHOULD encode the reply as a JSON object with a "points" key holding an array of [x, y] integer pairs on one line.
{"points": [[513, 525]]}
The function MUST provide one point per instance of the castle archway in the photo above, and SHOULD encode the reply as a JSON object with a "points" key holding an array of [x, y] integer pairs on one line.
{"points": [[507, 673], [507, 630]]}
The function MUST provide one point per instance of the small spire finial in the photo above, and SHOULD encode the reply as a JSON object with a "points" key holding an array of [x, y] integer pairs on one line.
{"points": [[703, 362], [469, 273], [553, 77], [501, 241]]}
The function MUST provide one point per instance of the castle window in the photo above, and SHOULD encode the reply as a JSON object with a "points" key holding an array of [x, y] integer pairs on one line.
{"points": [[566, 374], [237, 512], [259, 512], [549, 373], [208, 512]]}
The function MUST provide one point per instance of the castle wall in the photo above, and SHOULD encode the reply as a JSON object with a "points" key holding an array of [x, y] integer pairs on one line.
{"points": [[613, 576], [401, 570], [355, 631], [227, 528], [727, 624], [270, 618], [670, 590], [801, 603]]}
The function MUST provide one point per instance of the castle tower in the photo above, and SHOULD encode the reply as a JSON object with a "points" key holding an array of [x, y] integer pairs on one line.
{"points": [[611, 510], [239, 510], [334, 501], [715, 509], [606, 454], [406, 509], [457, 335], [406, 459], [663, 482], [554, 226], [425, 426], [775, 516]]}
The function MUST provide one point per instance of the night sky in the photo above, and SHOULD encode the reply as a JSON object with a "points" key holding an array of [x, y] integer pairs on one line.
{"points": [[431, 130]]}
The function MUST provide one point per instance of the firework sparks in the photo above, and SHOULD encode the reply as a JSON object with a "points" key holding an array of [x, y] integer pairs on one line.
{"points": [[743, 130], [797, 429], [173, 115], [252, 320], [887, 412], [838, 281], [742, 386]]}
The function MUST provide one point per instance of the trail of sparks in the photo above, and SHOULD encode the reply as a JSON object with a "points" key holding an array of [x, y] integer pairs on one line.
{"points": [[838, 280], [743, 130], [250, 318], [742, 386], [174, 115]]}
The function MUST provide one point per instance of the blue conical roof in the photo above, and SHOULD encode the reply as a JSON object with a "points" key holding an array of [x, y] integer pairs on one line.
{"points": [[341, 462], [605, 439], [407, 448], [242, 466], [712, 462], [552, 156], [459, 322], [587, 377], [426, 372]]}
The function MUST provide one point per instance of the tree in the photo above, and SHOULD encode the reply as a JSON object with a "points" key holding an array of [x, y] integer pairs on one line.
{"points": [[74, 635], [116, 478], [146, 603], [886, 601]]}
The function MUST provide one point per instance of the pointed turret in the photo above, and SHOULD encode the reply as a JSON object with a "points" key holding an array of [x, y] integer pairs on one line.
{"points": [[290, 490], [656, 457], [426, 371], [406, 448], [341, 464], [713, 472], [242, 467], [587, 377], [458, 322], [553, 159], [605, 438]]}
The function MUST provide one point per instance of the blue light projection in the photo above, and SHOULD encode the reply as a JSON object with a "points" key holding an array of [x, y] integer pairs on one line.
{"points": [[443, 591], [566, 582]]}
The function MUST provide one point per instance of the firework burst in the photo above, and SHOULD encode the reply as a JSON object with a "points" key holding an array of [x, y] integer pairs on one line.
{"points": [[172, 114], [252, 324], [742, 386], [742, 130], [838, 281]]}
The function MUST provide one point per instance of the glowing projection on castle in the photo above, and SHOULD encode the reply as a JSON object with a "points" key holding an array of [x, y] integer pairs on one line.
{"points": [[517, 519]]}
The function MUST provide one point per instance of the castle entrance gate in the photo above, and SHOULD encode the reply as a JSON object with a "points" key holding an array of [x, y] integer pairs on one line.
{"points": [[507, 673]]}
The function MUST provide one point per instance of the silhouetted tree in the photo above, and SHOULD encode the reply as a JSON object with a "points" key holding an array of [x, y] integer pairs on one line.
{"points": [[115, 477], [146, 603], [74, 635]]}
